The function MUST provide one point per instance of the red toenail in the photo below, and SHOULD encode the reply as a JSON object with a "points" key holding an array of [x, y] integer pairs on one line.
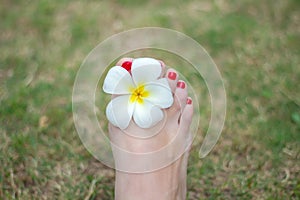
{"points": [[189, 101], [172, 75], [127, 65], [181, 84]]}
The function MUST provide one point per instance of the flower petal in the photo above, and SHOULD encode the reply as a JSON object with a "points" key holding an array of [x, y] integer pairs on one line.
{"points": [[146, 114], [119, 111], [144, 70], [160, 93], [118, 81]]}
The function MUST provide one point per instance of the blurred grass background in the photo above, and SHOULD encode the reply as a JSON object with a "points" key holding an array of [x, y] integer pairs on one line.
{"points": [[256, 45]]}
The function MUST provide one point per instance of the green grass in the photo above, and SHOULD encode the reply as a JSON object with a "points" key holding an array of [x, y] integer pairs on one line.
{"points": [[254, 43]]}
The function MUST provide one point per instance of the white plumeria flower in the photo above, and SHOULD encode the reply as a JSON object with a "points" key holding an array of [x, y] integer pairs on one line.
{"points": [[139, 94]]}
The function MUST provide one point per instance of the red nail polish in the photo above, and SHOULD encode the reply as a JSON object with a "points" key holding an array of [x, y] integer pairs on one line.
{"points": [[181, 84], [189, 101], [172, 75], [127, 65]]}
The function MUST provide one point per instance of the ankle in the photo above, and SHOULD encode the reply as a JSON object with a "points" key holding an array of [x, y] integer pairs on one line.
{"points": [[160, 184]]}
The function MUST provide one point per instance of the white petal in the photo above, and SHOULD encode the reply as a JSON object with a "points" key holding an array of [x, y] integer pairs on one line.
{"points": [[119, 111], [118, 81], [160, 93], [144, 70], [146, 114]]}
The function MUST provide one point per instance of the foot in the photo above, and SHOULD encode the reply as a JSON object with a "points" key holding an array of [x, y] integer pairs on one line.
{"points": [[155, 167]]}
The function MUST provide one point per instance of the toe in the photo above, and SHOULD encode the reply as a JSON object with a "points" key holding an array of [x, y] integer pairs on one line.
{"points": [[123, 60], [162, 63], [180, 95], [172, 77], [120, 63], [127, 59], [185, 122], [187, 113], [163, 68], [180, 98]]}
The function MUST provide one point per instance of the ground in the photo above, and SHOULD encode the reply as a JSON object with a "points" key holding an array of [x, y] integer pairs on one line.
{"points": [[255, 44]]}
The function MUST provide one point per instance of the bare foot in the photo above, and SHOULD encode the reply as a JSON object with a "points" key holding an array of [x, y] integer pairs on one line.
{"points": [[155, 167]]}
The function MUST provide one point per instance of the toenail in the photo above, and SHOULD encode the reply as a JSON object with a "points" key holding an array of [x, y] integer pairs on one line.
{"points": [[189, 101], [127, 65], [172, 75], [181, 84]]}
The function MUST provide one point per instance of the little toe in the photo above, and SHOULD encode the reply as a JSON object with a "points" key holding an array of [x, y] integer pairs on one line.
{"points": [[172, 77]]}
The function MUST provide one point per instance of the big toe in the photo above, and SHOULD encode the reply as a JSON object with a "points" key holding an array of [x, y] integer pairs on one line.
{"points": [[126, 62], [123, 61]]}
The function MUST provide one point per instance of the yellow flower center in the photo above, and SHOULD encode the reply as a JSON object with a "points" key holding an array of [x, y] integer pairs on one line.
{"points": [[138, 94]]}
